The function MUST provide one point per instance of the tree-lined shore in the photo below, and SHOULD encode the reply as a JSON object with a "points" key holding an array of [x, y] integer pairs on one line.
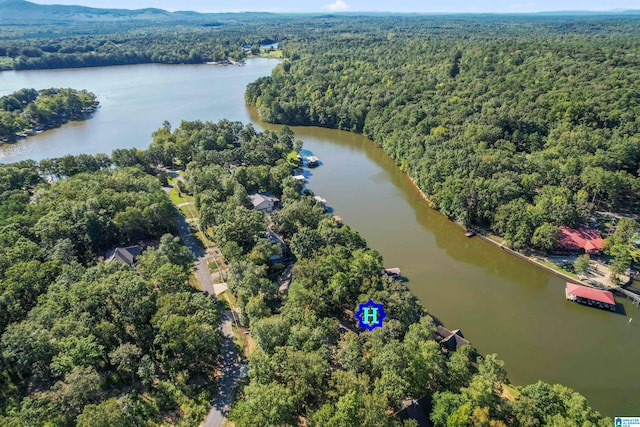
{"points": [[30, 111]]}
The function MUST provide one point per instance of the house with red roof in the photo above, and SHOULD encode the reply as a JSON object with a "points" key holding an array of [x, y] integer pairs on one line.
{"points": [[580, 239], [590, 296]]}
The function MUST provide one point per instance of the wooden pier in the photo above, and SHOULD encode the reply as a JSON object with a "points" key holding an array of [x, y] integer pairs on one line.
{"points": [[635, 298]]}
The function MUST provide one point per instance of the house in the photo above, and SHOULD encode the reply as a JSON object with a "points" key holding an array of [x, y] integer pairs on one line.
{"points": [[450, 340], [124, 255], [275, 239], [590, 296], [416, 410], [264, 202], [580, 239]]}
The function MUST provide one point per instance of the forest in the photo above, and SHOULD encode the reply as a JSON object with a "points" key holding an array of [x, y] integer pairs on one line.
{"points": [[103, 45], [312, 364], [29, 109], [519, 125], [89, 343]]}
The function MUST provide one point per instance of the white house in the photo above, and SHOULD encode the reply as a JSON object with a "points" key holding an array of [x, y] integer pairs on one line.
{"points": [[264, 202]]}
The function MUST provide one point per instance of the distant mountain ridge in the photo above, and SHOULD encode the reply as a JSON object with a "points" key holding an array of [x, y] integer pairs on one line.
{"points": [[21, 10], [25, 12]]}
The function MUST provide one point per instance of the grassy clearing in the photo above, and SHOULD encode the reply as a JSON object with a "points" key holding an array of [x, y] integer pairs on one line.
{"points": [[223, 300], [208, 243], [266, 53], [193, 281], [248, 344], [189, 211], [228, 298], [557, 267], [179, 198], [510, 392], [213, 266]]}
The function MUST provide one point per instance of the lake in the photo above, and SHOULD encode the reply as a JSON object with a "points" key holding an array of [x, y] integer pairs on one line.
{"points": [[501, 303]]}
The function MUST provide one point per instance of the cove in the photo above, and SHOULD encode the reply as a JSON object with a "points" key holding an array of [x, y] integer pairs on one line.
{"points": [[501, 303]]}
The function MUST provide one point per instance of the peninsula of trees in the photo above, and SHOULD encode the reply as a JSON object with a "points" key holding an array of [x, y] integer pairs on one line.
{"points": [[27, 111]]}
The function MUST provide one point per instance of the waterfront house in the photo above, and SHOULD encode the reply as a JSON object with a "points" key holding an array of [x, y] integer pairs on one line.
{"points": [[416, 410], [580, 239], [264, 202], [126, 255], [590, 296], [450, 340]]}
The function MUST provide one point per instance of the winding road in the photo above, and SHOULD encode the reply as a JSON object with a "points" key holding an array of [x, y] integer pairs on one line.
{"points": [[232, 367]]}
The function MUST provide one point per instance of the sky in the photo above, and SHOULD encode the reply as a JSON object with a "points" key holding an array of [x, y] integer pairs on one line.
{"points": [[456, 6]]}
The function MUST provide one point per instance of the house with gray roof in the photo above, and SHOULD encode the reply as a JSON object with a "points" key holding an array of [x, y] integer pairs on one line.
{"points": [[264, 202], [451, 340], [126, 255]]}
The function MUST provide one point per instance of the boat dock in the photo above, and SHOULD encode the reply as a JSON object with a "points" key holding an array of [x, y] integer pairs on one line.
{"points": [[590, 296], [313, 161], [393, 272]]}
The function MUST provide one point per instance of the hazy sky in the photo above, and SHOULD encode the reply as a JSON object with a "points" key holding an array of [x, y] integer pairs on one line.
{"points": [[360, 5]]}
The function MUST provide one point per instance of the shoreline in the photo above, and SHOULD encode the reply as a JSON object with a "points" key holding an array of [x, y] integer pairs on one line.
{"points": [[479, 232], [482, 234], [25, 134]]}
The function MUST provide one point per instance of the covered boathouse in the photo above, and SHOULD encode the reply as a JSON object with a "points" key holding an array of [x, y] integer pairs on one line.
{"points": [[590, 296]]}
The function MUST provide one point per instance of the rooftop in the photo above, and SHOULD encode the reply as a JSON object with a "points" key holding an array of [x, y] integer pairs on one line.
{"points": [[258, 198], [581, 238], [124, 255], [590, 293]]}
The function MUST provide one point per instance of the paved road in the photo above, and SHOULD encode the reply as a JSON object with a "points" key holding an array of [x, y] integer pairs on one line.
{"points": [[202, 271], [232, 370], [232, 367]]}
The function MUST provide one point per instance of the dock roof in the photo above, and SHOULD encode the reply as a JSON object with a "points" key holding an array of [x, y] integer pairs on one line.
{"points": [[590, 293]]}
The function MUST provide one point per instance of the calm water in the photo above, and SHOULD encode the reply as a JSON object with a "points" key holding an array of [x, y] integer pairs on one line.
{"points": [[501, 303], [134, 101]]}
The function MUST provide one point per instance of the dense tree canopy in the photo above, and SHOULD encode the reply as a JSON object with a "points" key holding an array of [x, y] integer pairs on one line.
{"points": [[92, 343], [312, 362], [519, 124], [29, 108], [103, 44]]}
